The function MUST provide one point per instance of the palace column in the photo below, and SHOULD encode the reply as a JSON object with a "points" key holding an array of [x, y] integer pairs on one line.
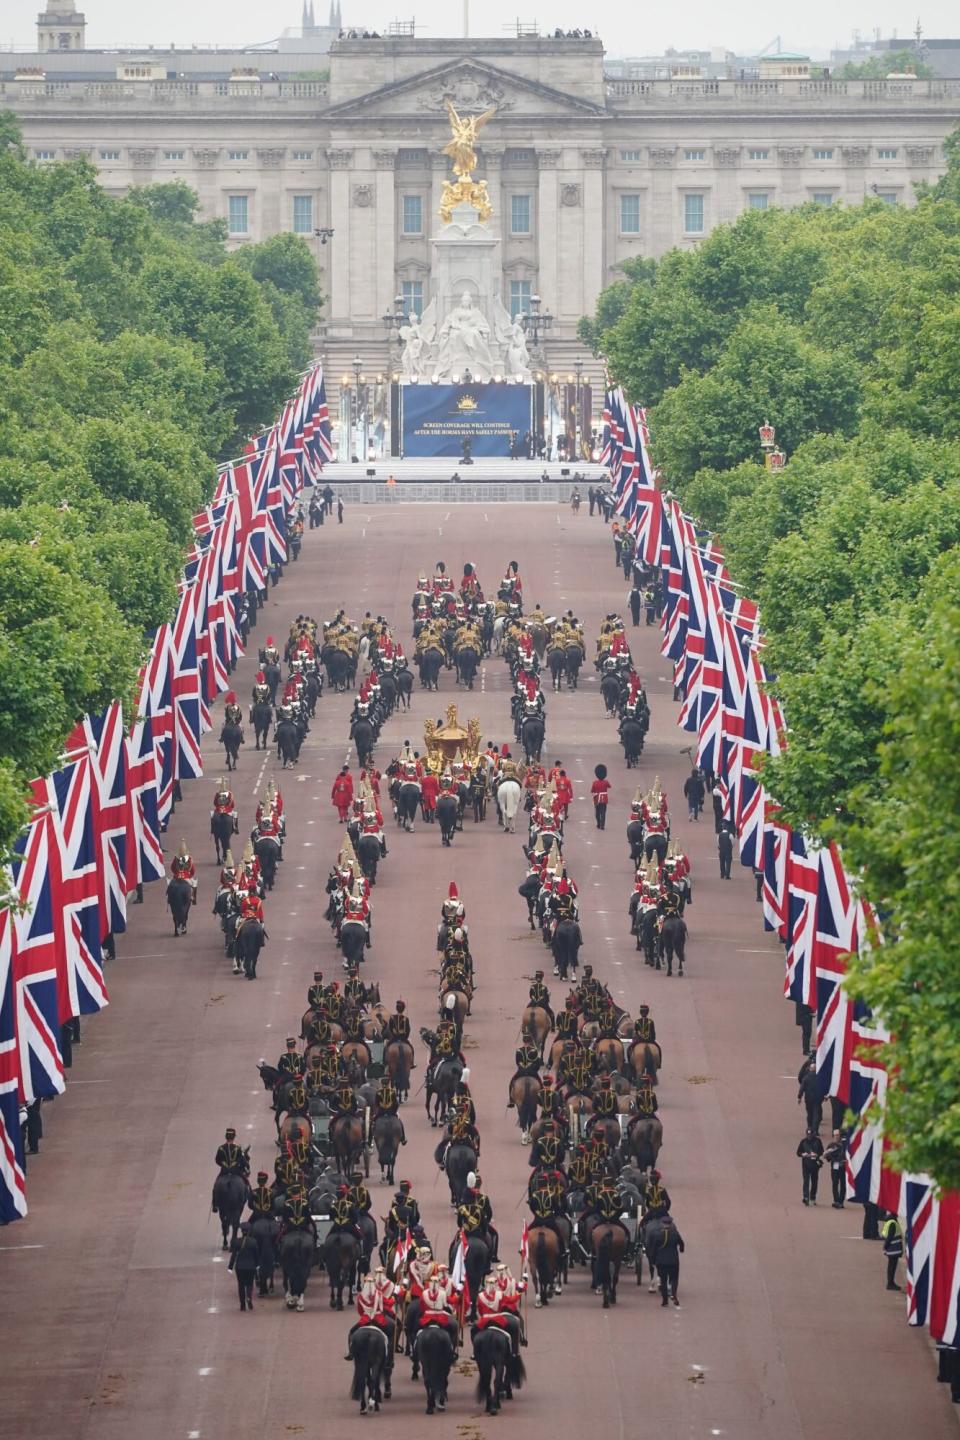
{"points": [[385, 225], [548, 229], [340, 162], [593, 225]]}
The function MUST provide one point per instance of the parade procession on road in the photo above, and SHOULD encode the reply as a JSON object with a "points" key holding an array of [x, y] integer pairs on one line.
{"points": [[472, 1118]]}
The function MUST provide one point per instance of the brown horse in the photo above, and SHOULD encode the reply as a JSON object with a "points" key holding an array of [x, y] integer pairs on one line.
{"points": [[608, 1244], [536, 1019], [644, 1058], [398, 1059], [294, 1128], [645, 1140], [545, 1263], [525, 1092], [458, 1011], [346, 1136], [609, 1128], [357, 1050], [609, 1053]]}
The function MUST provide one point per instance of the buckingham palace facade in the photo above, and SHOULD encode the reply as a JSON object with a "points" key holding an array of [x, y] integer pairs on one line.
{"points": [[584, 170]]}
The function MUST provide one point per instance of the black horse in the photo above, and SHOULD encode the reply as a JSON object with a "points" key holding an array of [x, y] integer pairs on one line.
{"points": [[287, 737], [408, 799], [229, 1198], [368, 853], [249, 940], [435, 1356], [531, 737], [448, 814], [574, 661], [556, 663], [466, 660], [499, 1371], [363, 735], [179, 899], [369, 1353], [231, 738], [566, 942], [267, 851], [261, 718], [673, 940], [222, 830], [631, 738], [404, 679], [429, 663]]}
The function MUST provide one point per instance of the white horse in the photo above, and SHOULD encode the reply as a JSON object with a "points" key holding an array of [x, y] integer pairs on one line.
{"points": [[498, 628], [508, 803], [363, 652]]}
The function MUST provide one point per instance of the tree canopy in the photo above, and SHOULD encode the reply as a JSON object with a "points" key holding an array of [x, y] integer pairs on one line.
{"points": [[135, 352], [841, 327]]}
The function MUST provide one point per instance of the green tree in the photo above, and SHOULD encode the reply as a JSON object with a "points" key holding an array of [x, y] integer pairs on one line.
{"points": [[878, 67]]}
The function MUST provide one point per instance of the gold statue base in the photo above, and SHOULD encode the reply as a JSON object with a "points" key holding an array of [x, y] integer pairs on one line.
{"points": [[465, 191]]}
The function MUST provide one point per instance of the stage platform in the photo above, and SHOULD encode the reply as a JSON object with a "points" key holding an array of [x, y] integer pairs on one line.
{"points": [[485, 482]]}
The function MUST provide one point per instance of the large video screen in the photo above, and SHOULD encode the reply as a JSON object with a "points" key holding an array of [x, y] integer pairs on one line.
{"points": [[436, 418]]}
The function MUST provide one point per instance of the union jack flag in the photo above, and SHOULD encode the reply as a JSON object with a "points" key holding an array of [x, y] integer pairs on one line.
{"points": [[144, 853], [157, 705], [103, 738], [72, 859], [922, 1210], [39, 989], [13, 1192], [185, 687], [803, 873], [944, 1303]]}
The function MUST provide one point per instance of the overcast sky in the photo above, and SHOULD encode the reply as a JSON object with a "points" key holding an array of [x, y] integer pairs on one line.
{"points": [[745, 26]]}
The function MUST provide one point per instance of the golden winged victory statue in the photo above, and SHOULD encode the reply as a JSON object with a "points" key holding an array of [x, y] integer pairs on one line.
{"points": [[460, 148]]}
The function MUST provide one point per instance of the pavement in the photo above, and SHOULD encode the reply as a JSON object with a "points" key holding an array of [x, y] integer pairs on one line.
{"points": [[117, 1315]]}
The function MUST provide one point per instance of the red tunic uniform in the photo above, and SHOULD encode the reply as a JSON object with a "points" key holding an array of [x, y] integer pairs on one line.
{"points": [[342, 794]]}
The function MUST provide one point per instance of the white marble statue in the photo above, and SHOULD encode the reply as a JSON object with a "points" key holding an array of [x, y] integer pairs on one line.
{"points": [[512, 340], [464, 341], [416, 349]]}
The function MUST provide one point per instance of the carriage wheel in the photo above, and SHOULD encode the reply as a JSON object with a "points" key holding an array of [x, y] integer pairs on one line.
{"points": [[366, 1161]]}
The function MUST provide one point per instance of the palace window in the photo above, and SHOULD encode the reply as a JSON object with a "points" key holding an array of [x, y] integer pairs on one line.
{"points": [[303, 214], [629, 214], [519, 214], [698, 155], [413, 214], [693, 214], [520, 292], [303, 155], [237, 214], [758, 154], [237, 154], [758, 200], [630, 157], [822, 154], [174, 154], [822, 197], [413, 297], [109, 154], [886, 153], [45, 154], [889, 197]]}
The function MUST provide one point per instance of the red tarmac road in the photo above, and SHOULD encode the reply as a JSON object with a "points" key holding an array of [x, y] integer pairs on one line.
{"points": [[118, 1316]]}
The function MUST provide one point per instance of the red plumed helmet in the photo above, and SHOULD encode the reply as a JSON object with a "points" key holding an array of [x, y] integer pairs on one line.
{"points": [[453, 893], [230, 697]]}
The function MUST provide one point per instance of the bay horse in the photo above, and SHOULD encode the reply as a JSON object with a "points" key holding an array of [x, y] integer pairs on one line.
{"points": [[346, 1135], [609, 1053], [525, 1092], [536, 1019], [341, 1258], [644, 1141], [387, 1131], [545, 1263], [398, 1060]]}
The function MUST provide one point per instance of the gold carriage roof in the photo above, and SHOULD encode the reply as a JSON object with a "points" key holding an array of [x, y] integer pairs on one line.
{"points": [[444, 741]]}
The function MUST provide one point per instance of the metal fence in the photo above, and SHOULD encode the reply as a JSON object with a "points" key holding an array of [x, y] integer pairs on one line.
{"points": [[463, 493]]}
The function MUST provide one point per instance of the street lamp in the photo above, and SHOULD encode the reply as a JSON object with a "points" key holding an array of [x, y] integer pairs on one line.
{"points": [[394, 318], [537, 322], [357, 382], [578, 427]]}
